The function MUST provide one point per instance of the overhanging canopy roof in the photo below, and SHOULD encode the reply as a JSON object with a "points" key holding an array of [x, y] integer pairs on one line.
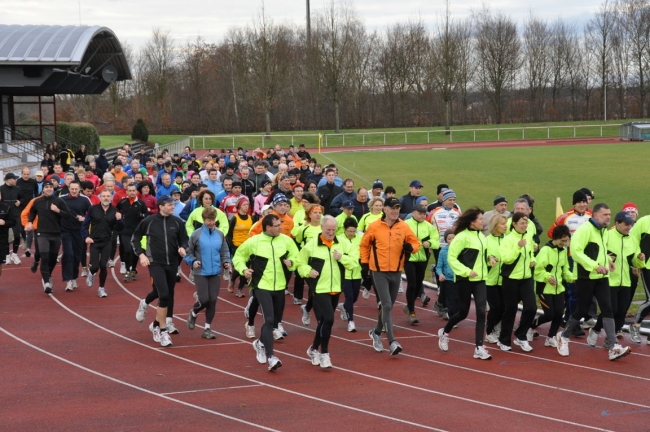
{"points": [[48, 60]]}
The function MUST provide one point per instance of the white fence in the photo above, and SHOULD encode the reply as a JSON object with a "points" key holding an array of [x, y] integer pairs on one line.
{"points": [[400, 137]]}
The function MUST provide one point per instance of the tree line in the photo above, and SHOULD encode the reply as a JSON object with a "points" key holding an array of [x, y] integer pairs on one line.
{"points": [[484, 69]]}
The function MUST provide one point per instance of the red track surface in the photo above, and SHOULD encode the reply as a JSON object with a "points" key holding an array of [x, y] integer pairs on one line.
{"points": [[219, 384], [72, 361]]}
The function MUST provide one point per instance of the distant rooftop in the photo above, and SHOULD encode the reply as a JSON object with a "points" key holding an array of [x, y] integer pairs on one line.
{"points": [[43, 60]]}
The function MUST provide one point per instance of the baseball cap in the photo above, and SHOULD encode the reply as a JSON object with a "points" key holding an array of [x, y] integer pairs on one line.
{"points": [[347, 204], [265, 207], [279, 198], [624, 218], [39, 173], [175, 191], [420, 208], [164, 199], [10, 176], [392, 202], [416, 183]]}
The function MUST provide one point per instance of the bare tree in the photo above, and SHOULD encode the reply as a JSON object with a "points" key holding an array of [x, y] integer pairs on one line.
{"points": [[635, 18], [621, 59], [537, 70], [499, 57], [445, 62], [572, 59], [598, 37], [330, 56], [158, 58]]}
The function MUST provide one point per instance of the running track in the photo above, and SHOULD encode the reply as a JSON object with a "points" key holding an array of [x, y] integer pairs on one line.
{"points": [[72, 361]]}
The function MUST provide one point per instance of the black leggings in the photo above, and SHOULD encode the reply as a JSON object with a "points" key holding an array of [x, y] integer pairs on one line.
{"points": [[98, 258], [207, 289], [553, 307], [235, 274], [415, 272], [298, 286], [114, 245], [351, 288], [514, 291], [644, 309], [16, 229], [271, 303], [465, 291], [48, 248], [620, 300], [164, 280], [127, 255], [324, 306], [495, 300]]}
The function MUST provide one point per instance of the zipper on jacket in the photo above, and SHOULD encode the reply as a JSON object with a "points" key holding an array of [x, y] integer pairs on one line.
{"points": [[166, 245], [523, 276], [557, 283], [274, 269]]}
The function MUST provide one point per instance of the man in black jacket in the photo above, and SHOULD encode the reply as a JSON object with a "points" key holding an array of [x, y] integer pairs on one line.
{"points": [[30, 190], [13, 195], [329, 190], [133, 211], [73, 244], [408, 200], [97, 231], [50, 210], [7, 221], [166, 239]]}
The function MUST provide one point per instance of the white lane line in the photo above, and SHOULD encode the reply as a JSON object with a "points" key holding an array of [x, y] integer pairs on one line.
{"points": [[347, 169], [295, 393], [212, 389], [444, 364], [132, 386], [201, 345]]}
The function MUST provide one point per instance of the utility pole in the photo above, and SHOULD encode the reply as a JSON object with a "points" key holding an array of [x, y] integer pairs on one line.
{"points": [[308, 25]]}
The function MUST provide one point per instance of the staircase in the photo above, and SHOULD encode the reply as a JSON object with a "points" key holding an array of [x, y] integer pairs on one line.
{"points": [[19, 153]]}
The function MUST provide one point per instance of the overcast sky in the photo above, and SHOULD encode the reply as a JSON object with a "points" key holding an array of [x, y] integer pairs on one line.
{"points": [[132, 20]]}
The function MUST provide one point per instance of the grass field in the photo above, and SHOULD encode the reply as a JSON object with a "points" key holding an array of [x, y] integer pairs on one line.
{"points": [[616, 173], [108, 141], [391, 136]]}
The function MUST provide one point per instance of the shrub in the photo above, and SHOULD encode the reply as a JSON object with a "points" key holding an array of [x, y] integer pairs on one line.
{"points": [[79, 133], [140, 131]]}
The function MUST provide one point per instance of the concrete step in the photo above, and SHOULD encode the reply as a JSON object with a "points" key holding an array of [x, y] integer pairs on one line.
{"points": [[10, 161], [18, 147]]}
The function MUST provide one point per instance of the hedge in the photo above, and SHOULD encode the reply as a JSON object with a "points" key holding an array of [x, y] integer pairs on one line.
{"points": [[80, 133]]}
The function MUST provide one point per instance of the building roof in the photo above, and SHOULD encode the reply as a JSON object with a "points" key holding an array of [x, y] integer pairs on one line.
{"points": [[54, 58]]}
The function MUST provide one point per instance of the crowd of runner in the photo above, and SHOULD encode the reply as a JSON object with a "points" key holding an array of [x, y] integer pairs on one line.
{"points": [[276, 220]]}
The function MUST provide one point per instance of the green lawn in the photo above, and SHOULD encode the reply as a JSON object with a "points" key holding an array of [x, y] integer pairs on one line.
{"points": [[109, 141], [392, 136], [614, 172]]}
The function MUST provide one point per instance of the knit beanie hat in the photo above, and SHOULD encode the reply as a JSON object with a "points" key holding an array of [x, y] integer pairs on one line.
{"points": [[579, 196]]}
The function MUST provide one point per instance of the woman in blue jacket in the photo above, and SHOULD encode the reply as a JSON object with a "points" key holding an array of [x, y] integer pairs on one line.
{"points": [[207, 252]]}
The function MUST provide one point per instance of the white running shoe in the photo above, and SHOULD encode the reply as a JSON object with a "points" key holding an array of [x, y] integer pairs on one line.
{"points": [[15, 259], [618, 351], [351, 327], [142, 311], [590, 323], [481, 353], [8, 259], [306, 318], [492, 338], [503, 347], [550, 342], [47, 287], [259, 350], [165, 339], [90, 279], [286, 292], [530, 334], [376, 341], [325, 361], [155, 331], [84, 271], [314, 355], [74, 283], [365, 293], [191, 276], [122, 268], [635, 333], [592, 338], [171, 328], [562, 344], [110, 263], [523, 344], [101, 292], [277, 334], [297, 301], [443, 340], [68, 286], [274, 363], [250, 331], [344, 314], [282, 330], [248, 306], [401, 288]]}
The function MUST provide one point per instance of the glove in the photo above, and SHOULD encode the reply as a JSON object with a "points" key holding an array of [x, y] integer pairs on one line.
{"points": [[365, 268], [408, 247]]}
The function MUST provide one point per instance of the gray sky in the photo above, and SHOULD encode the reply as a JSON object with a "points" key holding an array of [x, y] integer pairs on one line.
{"points": [[132, 20]]}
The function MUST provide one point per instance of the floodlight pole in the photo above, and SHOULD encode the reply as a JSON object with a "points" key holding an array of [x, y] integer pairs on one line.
{"points": [[308, 24], [605, 101]]}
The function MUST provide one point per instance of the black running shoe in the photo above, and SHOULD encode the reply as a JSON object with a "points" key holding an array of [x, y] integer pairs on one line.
{"points": [[178, 277], [34, 267]]}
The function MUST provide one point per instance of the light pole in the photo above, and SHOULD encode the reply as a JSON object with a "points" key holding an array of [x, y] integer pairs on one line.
{"points": [[605, 101], [308, 25]]}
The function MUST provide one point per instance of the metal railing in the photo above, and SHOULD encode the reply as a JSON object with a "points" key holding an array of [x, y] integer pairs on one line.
{"points": [[174, 147], [400, 137]]}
